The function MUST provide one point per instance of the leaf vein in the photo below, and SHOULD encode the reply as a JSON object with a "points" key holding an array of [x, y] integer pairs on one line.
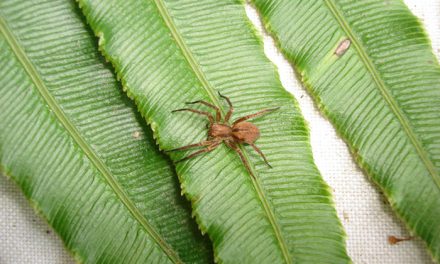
{"points": [[211, 93], [76, 136], [424, 157]]}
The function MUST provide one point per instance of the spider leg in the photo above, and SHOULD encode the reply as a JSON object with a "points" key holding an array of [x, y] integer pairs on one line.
{"points": [[200, 144], [218, 115], [237, 149], [214, 145], [231, 108], [211, 119], [257, 114], [261, 154]]}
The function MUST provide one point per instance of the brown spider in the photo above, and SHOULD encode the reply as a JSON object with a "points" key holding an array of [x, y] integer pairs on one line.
{"points": [[221, 131]]}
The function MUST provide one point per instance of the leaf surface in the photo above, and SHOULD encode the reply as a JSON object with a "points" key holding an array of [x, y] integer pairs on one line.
{"points": [[382, 92], [78, 148], [171, 52]]}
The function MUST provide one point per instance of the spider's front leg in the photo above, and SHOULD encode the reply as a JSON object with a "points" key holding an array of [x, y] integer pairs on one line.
{"points": [[218, 115], [231, 108], [211, 119], [257, 114], [212, 145], [200, 144]]}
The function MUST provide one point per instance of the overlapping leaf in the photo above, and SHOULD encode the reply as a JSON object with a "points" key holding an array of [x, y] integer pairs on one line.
{"points": [[171, 52], [382, 92], [79, 150]]}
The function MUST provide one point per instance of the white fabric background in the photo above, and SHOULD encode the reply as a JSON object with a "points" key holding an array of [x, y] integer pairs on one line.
{"points": [[367, 219]]}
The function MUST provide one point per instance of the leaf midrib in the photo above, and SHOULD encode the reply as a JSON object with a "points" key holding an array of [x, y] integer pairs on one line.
{"points": [[211, 93], [74, 133], [424, 157]]}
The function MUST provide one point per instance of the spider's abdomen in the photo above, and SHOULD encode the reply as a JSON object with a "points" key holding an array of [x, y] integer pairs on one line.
{"points": [[245, 132], [220, 131]]}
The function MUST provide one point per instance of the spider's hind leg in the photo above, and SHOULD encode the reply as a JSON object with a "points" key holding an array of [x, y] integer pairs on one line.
{"points": [[237, 149], [261, 154]]}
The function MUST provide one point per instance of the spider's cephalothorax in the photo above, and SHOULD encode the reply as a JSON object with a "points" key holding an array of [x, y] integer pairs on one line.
{"points": [[221, 131]]}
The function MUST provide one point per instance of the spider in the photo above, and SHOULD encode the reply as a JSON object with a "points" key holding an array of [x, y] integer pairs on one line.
{"points": [[221, 131]]}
